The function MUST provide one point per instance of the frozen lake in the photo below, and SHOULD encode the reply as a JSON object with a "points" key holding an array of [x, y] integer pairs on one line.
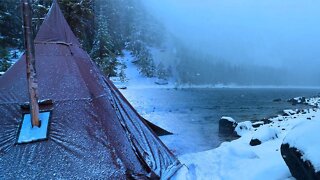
{"points": [[193, 114]]}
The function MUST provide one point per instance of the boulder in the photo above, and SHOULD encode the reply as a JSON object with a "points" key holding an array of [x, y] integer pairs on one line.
{"points": [[227, 126], [243, 127], [300, 150], [300, 169], [297, 100], [255, 142], [258, 123], [263, 134]]}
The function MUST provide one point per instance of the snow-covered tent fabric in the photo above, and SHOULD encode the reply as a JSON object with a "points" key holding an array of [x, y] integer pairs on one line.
{"points": [[93, 133]]}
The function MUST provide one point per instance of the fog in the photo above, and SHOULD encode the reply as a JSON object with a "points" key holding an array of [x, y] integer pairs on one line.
{"points": [[283, 35]]}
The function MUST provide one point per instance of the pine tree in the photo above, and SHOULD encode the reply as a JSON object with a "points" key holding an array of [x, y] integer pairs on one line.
{"points": [[10, 23], [80, 15], [145, 63], [4, 60], [122, 74], [102, 47], [162, 72]]}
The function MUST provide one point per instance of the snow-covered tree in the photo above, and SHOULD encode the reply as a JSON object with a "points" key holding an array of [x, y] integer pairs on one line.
{"points": [[145, 63], [122, 73], [103, 46], [4, 60], [162, 72]]}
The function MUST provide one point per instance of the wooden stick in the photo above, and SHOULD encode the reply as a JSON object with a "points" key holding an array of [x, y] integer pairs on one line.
{"points": [[30, 62]]}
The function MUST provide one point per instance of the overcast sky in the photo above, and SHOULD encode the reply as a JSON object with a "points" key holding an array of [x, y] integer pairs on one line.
{"points": [[267, 32]]}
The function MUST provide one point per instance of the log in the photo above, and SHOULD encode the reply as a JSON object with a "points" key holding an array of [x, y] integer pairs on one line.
{"points": [[30, 62]]}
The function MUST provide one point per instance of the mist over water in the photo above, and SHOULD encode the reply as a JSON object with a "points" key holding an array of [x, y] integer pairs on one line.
{"points": [[276, 41]]}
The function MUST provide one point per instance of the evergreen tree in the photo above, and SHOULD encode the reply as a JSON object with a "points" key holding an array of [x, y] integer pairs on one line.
{"points": [[102, 47], [162, 72], [10, 23], [10, 31], [145, 63], [78, 13], [4, 60], [122, 74]]}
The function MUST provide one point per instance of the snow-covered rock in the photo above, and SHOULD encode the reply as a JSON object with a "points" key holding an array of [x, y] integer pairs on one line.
{"points": [[227, 126], [243, 128], [297, 100], [289, 112], [300, 150], [263, 134]]}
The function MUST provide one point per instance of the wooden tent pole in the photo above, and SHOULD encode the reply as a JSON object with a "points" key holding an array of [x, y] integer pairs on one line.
{"points": [[30, 62]]}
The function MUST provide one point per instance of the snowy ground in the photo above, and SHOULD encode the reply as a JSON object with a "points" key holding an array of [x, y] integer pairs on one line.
{"points": [[134, 79], [238, 160]]}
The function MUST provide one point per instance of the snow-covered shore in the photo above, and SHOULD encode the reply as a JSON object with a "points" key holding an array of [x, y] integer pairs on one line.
{"points": [[239, 160]]}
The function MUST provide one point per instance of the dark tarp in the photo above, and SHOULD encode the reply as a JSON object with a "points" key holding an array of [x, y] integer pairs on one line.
{"points": [[93, 132]]}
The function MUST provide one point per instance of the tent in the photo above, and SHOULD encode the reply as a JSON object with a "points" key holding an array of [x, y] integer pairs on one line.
{"points": [[93, 131]]}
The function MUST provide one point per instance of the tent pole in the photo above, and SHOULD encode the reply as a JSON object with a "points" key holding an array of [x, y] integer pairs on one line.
{"points": [[30, 62]]}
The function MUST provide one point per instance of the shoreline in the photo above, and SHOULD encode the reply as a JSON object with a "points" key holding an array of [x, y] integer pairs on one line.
{"points": [[238, 159]]}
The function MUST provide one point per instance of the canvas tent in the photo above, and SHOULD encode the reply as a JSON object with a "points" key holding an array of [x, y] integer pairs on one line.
{"points": [[93, 131]]}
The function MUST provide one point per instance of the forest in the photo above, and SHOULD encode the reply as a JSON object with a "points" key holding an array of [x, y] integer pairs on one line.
{"points": [[106, 28]]}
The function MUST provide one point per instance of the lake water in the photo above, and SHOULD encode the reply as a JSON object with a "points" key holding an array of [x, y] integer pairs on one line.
{"points": [[193, 114]]}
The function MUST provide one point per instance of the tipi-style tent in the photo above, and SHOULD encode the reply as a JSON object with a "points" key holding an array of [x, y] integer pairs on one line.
{"points": [[93, 131]]}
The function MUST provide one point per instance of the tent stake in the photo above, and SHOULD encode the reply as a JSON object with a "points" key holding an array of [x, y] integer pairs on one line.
{"points": [[30, 62]]}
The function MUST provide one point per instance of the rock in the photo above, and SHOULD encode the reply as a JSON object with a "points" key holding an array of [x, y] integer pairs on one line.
{"points": [[263, 121], [257, 124], [243, 127], [227, 126], [263, 134], [266, 120], [122, 87], [297, 100], [299, 168], [300, 150], [161, 82], [277, 100], [255, 142], [288, 112]]}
